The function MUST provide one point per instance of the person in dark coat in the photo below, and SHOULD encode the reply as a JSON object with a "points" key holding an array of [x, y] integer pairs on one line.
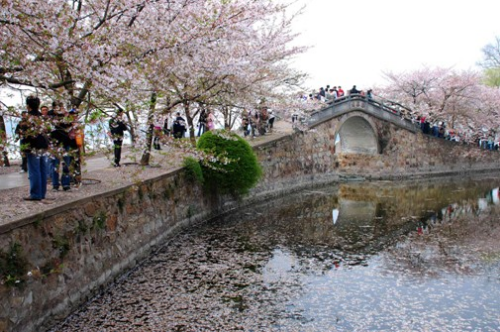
{"points": [[117, 130], [202, 122], [179, 126], [354, 91], [37, 145]]}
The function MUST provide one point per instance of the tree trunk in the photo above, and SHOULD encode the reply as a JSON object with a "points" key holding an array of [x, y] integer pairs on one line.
{"points": [[227, 118], [235, 115], [133, 137], [3, 143], [189, 119], [146, 154]]}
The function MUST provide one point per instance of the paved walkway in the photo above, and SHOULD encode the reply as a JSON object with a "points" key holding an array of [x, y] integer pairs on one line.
{"points": [[16, 179]]}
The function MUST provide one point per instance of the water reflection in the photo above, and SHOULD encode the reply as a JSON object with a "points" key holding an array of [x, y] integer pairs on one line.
{"points": [[406, 256], [335, 215]]}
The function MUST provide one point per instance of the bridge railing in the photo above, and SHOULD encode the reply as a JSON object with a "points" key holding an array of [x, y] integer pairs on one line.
{"points": [[395, 109], [382, 108]]}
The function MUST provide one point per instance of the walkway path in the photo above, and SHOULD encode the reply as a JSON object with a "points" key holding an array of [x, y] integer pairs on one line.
{"points": [[16, 179], [14, 186]]}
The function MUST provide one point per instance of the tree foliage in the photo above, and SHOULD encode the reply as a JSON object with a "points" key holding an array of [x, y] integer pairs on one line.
{"points": [[190, 54], [491, 63], [458, 98]]}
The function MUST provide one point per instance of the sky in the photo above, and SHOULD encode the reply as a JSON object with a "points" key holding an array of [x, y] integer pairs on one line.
{"points": [[355, 42]]}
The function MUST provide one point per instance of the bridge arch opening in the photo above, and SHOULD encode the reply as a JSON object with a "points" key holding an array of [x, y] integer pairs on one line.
{"points": [[356, 135]]}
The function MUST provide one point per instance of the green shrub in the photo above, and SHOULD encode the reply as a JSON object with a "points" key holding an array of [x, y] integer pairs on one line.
{"points": [[193, 170], [235, 169]]}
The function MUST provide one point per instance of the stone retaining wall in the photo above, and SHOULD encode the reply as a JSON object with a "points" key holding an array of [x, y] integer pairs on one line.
{"points": [[80, 248], [76, 250]]}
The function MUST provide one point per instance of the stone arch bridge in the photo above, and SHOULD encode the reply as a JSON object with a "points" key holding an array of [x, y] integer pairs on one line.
{"points": [[356, 132], [366, 138]]}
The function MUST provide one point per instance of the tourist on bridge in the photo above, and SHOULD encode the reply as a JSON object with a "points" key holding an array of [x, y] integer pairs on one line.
{"points": [[321, 94], [331, 95], [117, 130], [340, 92], [354, 91]]}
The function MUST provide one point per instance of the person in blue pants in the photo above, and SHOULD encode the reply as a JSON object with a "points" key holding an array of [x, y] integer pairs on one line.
{"points": [[37, 145]]}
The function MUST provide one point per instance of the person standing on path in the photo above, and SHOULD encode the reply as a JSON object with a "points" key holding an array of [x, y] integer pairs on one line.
{"points": [[179, 126], [271, 119], [117, 129], [60, 148], [202, 122], [210, 121], [37, 144]]}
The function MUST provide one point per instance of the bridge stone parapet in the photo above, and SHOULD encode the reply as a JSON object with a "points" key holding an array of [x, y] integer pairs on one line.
{"points": [[371, 107]]}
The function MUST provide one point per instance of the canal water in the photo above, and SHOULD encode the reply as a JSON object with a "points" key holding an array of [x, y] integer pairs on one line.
{"points": [[368, 256]]}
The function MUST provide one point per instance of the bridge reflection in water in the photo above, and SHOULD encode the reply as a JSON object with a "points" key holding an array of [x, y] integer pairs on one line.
{"points": [[399, 256]]}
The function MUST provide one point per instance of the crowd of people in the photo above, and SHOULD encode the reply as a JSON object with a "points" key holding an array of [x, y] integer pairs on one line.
{"points": [[330, 94], [439, 129], [177, 127], [257, 122], [253, 123], [50, 141]]}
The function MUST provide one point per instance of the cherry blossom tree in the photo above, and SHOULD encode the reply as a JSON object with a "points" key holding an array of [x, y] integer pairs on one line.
{"points": [[491, 63], [456, 97], [185, 53]]}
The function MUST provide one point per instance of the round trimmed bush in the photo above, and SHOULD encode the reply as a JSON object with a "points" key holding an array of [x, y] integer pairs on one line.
{"points": [[235, 169]]}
